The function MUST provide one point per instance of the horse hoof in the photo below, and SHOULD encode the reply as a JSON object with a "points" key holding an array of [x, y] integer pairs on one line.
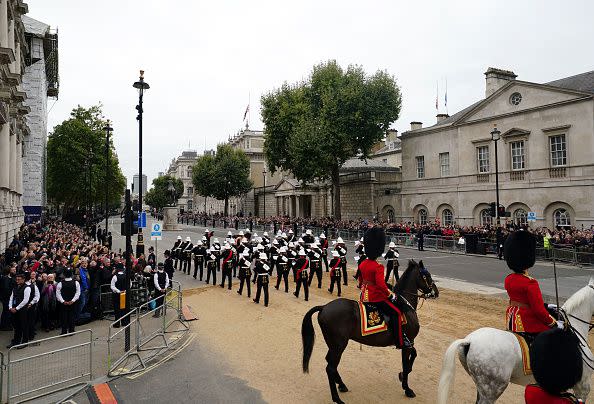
{"points": [[409, 393], [342, 388], [339, 401], [400, 376]]}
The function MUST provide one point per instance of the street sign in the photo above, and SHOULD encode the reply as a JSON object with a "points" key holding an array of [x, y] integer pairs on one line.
{"points": [[156, 231], [531, 217], [142, 219]]}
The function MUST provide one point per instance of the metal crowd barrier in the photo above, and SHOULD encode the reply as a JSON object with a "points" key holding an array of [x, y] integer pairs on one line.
{"points": [[66, 366], [151, 329]]}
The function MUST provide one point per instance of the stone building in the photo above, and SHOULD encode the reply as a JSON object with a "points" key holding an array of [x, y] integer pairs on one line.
{"points": [[13, 125], [181, 167], [389, 151], [40, 81], [136, 185], [545, 155]]}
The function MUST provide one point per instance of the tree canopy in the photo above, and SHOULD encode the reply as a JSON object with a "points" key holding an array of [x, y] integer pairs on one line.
{"points": [[76, 162], [159, 196], [313, 127], [224, 175]]}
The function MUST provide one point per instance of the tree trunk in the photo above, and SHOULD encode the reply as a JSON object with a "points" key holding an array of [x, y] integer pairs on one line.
{"points": [[226, 206], [336, 190], [205, 205]]}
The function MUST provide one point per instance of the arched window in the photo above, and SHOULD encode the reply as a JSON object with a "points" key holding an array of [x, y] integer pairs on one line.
{"points": [[391, 215], [561, 218], [190, 205], [520, 217], [447, 217], [422, 216], [486, 218]]}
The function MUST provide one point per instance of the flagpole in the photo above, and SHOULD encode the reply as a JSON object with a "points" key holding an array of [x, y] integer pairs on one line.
{"points": [[249, 112], [446, 97]]}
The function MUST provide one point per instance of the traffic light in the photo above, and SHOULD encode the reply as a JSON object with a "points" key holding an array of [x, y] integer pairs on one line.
{"points": [[501, 211], [492, 206]]}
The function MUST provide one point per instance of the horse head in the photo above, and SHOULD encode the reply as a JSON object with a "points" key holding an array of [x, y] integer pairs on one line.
{"points": [[417, 278], [425, 282]]}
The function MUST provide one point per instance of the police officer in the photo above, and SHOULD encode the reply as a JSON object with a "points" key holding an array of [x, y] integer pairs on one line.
{"points": [[262, 274], [245, 273], [335, 268], [227, 254], [19, 300], [302, 266], [282, 269], [199, 252], [152, 259], [161, 282], [169, 265], [118, 286], [315, 259], [391, 257], [211, 266], [67, 293], [206, 238], [187, 256]]}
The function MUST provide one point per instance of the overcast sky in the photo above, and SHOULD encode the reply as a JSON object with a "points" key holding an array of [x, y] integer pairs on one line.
{"points": [[203, 59]]}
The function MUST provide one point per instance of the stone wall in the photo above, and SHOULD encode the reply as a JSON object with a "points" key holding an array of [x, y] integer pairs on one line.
{"points": [[356, 199]]}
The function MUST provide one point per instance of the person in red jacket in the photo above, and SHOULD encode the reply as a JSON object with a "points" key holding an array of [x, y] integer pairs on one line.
{"points": [[557, 365], [526, 312], [373, 286]]}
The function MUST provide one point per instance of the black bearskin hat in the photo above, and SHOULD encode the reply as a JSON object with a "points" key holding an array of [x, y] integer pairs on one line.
{"points": [[520, 250], [374, 241], [556, 360]]}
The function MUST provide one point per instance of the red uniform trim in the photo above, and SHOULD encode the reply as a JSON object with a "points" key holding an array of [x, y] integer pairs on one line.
{"points": [[302, 268], [333, 269]]}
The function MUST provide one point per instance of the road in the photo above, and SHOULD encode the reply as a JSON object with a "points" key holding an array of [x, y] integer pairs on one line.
{"points": [[483, 274]]}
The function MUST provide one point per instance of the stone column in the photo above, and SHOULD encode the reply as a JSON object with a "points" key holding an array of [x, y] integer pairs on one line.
{"points": [[19, 167], [297, 209], [4, 155], [17, 56], [3, 24], [12, 171]]}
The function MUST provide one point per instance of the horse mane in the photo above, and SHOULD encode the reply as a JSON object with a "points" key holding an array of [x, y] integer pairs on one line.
{"points": [[577, 299], [405, 278]]}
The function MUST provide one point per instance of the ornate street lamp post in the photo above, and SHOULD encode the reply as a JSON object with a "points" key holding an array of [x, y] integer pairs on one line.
{"points": [[108, 129], [264, 191], [495, 136], [140, 85]]}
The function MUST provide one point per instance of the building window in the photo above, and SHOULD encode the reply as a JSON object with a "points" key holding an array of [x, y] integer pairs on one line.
{"points": [[189, 205], [444, 164], [385, 161], [486, 218], [561, 218], [189, 172], [422, 217], [447, 217], [520, 217], [558, 150], [420, 166], [190, 191], [517, 155], [515, 99], [391, 216], [482, 153]]}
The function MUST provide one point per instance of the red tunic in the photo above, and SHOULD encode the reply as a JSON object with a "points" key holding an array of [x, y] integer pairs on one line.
{"points": [[371, 280], [526, 312], [536, 395]]}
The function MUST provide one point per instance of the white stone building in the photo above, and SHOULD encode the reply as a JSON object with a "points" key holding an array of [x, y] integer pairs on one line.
{"points": [[40, 81], [13, 125], [545, 155], [181, 167]]}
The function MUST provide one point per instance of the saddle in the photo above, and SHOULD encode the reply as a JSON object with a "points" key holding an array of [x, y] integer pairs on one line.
{"points": [[372, 319], [525, 340]]}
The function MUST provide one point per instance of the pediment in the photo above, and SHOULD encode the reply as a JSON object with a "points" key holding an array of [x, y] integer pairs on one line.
{"points": [[514, 133], [518, 96], [287, 184]]}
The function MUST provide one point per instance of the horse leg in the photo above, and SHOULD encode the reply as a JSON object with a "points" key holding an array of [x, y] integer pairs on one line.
{"points": [[582, 388], [333, 359], [489, 390], [408, 358]]}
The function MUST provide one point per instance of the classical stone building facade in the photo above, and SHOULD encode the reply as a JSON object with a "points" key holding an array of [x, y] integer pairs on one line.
{"points": [[13, 125], [181, 167], [545, 155], [40, 81]]}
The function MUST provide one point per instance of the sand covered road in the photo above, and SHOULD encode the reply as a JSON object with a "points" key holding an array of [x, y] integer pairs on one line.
{"points": [[263, 346]]}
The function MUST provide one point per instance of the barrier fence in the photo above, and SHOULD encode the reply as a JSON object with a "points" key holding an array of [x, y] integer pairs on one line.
{"points": [[144, 332], [66, 365]]}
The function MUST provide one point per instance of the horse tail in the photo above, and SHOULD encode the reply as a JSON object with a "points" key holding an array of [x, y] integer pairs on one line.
{"points": [[308, 336], [448, 370]]}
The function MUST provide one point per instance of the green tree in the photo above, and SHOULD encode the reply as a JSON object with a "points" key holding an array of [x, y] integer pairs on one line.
{"points": [[202, 175], [313, 127], [75, 152], [223, 176], [159, 196]]}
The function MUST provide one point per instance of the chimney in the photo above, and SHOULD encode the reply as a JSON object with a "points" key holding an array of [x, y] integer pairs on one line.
{"points": [[416, 125], [441, 117], [391, 136], [497, 78]]}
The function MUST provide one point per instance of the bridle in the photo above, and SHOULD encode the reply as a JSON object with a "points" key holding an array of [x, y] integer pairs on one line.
{"points": [[424, 296]]}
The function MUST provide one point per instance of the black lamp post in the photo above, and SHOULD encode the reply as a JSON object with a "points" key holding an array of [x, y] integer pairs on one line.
{"points": [[108, 129], [264, 172], [495, 136], [141, 85]]}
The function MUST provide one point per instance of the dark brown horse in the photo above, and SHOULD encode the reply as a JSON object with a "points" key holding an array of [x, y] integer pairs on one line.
{"points": [[340, 322]]}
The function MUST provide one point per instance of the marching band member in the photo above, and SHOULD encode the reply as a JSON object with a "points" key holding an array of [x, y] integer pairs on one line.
{"points": [[262, 273], [302, 266], [391, 257], [335, 267], [244, 272]]}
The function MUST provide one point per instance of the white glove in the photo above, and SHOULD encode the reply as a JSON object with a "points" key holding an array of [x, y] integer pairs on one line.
{"points": [[552, 306], [560, 324]]}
